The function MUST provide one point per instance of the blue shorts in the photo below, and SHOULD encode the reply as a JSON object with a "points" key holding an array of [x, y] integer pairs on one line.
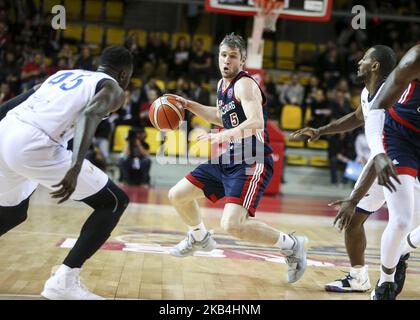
{"points": [[243, 184], [402, 146]]}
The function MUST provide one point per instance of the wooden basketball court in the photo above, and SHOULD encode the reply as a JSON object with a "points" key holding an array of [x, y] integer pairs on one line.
{"points": [[134, 263]]}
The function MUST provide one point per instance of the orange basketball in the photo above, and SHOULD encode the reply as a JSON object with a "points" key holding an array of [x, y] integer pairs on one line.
{"points": [[164, 113]]}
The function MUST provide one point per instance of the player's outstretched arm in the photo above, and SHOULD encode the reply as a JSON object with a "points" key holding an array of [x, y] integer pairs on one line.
{"points": [[349, 122], [211, 114], [109, 98], [406, 71]]}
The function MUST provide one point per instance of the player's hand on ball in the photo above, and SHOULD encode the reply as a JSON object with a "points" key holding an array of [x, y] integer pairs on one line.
{"points": [[385, 170], [68, 185], [310, 134], [182, 101], [346, 209]]}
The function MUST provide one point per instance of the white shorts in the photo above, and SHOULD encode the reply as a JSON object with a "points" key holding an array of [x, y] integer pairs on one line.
{"points": [[374, 198], [28, 157]]}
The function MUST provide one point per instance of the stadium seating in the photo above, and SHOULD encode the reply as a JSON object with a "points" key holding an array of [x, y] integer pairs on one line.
{"points": [[207, 40], [175, 143], [141, 34], [318, 144], [297, 160], [114, 11], [175, 37], [291, 117], [115, 36], [319, 161], [73, 9], [153, 139], [73, 31], [94, 34], [93, 10], [120, 135]]}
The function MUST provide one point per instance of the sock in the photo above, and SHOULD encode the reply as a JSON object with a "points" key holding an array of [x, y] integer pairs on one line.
{"points": [[359, 271], [386, 277], [199, 231], [285, 241], [63, 269]]}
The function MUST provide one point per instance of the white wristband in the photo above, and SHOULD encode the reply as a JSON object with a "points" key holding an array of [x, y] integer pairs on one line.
{"points": [[374, 127]]}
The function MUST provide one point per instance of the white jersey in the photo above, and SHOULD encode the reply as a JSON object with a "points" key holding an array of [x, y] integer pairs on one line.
{"points": [[374, 198], [367, 101], [57, 105]]}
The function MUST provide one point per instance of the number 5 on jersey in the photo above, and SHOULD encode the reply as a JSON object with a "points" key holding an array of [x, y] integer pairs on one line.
{"points": [[234, 121]]}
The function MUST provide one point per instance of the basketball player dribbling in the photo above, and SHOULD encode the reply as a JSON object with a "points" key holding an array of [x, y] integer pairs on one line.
{"points": [[376, 64], [395, 147], [33, 141], [240, 110]]}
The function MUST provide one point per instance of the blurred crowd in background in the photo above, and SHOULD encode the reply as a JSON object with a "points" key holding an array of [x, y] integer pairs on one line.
{"points": [[30, 51]]}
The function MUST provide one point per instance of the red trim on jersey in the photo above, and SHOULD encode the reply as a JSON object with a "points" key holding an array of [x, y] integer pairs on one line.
{"points": [[407, 170], [410, 93], [404, 122], [260, 182], [194, 181]]}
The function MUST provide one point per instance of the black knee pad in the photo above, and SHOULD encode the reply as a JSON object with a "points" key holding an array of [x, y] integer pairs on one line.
{"points": [[110, 197], [10, 217]]}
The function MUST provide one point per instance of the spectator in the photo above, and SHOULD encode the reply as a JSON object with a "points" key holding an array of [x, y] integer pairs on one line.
{"points": [[293, 92], [330, 68], [5, 93], [10, 72], [340, 151], [152, 95], [95, 156], [273, 104], [320, 111], [157, 54], [362, 148], [67, 53], [180, 58], [198, 93], [102, 139], [135, 162], [129, 113], [33, 72], [340, 105], [85, 61], [132, 43], [200, 61]]}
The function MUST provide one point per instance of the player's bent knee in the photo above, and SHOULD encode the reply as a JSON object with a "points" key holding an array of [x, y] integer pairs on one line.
{"points": [[401, 224], [111, 197], [231, 226], [176, 196]]}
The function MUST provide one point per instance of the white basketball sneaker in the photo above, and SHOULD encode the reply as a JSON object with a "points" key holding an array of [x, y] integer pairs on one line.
{"points": [[296, 258], [357, 280], [189, 245], [66, 285]]}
